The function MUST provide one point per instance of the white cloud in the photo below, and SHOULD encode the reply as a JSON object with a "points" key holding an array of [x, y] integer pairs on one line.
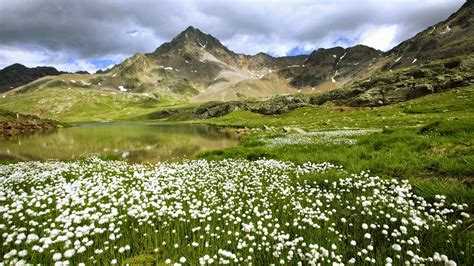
{"points": [[42, 57], [380, 37], [250, 44], [10, 55], [75, 66]]}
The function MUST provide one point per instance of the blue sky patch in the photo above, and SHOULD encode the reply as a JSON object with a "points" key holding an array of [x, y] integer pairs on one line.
{"points": [[298, 50], [102, 63]]}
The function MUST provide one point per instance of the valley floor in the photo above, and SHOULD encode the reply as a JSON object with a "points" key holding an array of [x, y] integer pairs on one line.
{"points": [[385, 185]]}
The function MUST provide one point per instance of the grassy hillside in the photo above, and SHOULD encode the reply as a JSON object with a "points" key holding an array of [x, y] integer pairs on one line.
{"points": [[451, 105], [83, 105], [80, 98]]}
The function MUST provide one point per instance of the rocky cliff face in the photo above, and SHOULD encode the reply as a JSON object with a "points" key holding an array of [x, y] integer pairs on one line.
{"points": [[190, 42], [405, 84], [449, 38], [336, 65]]}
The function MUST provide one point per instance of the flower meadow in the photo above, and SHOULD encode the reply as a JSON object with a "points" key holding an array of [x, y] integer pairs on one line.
{"points": [[344, 136], [195, 212]]}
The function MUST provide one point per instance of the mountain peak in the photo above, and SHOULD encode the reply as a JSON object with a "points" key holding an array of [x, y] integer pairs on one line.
{"points": [[15, 66], [192, 37], [192, 30]]}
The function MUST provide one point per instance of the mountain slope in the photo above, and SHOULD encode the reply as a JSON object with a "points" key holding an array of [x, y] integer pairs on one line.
{"points": [[334, 65], [218, 73], [16, 75], [449, 38]]}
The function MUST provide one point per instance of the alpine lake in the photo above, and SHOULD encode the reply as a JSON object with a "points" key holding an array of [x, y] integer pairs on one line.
{"points": [[133, 142]]}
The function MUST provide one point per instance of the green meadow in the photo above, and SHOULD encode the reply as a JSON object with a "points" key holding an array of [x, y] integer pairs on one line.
{"points": [[320, 184]]}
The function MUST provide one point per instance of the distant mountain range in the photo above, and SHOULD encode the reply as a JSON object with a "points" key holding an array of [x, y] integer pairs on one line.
{"points": [[16, 75], [196, 67]]}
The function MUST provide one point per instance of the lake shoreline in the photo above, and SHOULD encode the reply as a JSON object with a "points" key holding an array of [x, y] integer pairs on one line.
{"points": [[129, 141]]}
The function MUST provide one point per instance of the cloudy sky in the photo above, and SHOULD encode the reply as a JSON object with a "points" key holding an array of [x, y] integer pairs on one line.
{"points": [[88, 35]]}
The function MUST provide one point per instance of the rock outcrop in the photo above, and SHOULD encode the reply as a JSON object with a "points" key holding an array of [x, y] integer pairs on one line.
{"points": [[12, 125], [406, 84]]}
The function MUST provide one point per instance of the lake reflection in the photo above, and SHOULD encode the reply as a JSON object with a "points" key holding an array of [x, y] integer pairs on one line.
{"points": [[135, 142]]}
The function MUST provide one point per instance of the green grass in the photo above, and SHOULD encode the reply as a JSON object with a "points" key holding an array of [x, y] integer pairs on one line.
{"points": [[398, 153], [427, 140], [85, 105], [435, 141], [423, 157], [455, 104]]}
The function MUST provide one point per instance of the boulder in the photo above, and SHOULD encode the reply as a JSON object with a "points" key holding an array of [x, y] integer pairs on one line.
{"points": [[216, 109]]}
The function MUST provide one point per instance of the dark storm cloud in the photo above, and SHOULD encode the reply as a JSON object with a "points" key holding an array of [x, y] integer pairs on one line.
{"points": [[90, 28], [72, 34]]}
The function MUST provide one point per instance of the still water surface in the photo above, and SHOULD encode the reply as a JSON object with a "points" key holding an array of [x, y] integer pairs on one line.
{"points": [[135, 142]]}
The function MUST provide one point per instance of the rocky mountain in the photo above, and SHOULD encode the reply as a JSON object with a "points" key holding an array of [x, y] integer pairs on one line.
{"points": [[331, 67], [16, 75], [199, 61], [191, 43], [451, 37], [334, 67], [197, 67], [383, 88]]}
